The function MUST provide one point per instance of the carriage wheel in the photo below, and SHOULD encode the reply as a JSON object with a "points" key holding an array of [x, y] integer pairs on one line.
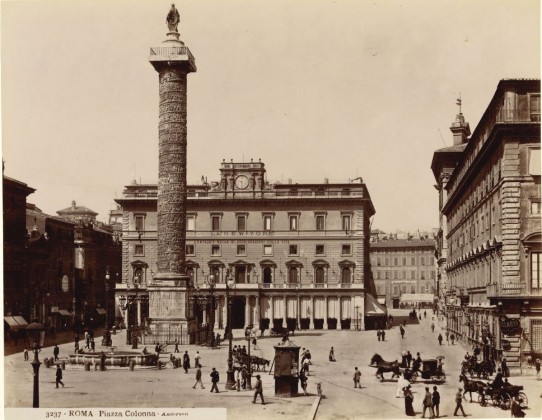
{"points": [[413, 377], [482, 400], [440, 379], [496, 400], [525, 402], [506, 401]]}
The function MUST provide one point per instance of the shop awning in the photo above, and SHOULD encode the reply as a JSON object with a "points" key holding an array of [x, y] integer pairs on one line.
{"points": [[373, 308], [64, 312], [16, 322], [101, 311], [417, 297], [382, 301]]}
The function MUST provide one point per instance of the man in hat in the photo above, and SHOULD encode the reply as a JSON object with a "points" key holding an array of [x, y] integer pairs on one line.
{"points": [[258, 390], [537, 368], [214, 379], [458, 402]]}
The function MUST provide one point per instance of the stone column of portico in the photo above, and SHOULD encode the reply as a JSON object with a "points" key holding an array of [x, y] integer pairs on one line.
{"points": [[168, 293], [311, 325], [285, 312], [326, 313], [247, 311], [257, 313], [272, 304], [298, 312]]}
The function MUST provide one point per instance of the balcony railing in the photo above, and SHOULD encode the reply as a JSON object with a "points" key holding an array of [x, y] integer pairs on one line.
{"points": [[506, 289]]}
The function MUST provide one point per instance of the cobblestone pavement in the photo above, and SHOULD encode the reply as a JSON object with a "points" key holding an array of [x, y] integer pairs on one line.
{"points": [[173, 388]]}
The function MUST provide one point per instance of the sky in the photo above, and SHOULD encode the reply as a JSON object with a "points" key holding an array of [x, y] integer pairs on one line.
{"points": [[315, 89]]}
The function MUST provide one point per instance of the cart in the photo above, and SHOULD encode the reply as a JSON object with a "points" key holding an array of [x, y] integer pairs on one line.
{"points": [[432, 370], [502, 397]]}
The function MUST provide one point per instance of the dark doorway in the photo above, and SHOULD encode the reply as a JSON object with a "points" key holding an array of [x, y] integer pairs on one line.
{"points": [[238, 313]]}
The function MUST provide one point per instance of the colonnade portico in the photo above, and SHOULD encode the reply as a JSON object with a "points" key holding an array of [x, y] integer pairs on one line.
{"points": [[288, 306]]}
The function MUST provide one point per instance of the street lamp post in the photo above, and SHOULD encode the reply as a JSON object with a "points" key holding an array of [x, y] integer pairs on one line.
{"points": [[36, 335], [230, 382], [106, 340], [211, 334]]}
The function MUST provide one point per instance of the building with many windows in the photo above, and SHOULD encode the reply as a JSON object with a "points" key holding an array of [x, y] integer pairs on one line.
{"points": [[298, 253], [404, 271], [490, 238]]}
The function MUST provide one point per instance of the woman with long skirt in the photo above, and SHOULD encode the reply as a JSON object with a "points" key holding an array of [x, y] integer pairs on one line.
{"points": [[409, 399]]}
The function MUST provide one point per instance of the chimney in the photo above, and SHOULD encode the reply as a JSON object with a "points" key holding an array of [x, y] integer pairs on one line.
{"points": [[289, 180], [326, 180], [73, 205]]}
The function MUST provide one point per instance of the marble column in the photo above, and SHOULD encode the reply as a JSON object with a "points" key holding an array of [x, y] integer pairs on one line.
{"points": [[247, 311], [311, 325], [326, 315], [285, 312]]}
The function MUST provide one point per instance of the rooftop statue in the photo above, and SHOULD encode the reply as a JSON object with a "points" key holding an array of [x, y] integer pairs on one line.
{"points": [[173, 18]]}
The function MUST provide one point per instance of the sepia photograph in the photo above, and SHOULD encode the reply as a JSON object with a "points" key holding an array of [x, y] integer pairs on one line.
{"points": [[288, 209]]}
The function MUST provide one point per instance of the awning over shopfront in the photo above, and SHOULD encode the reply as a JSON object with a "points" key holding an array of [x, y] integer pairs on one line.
{"points": [[16, 322], [64, 312], [101, 311], [382, 301], [373, 308], [417, 297]]}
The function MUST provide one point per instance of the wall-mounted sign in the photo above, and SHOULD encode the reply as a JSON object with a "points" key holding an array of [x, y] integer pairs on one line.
{"points": [[509, 326], [65, 283]]}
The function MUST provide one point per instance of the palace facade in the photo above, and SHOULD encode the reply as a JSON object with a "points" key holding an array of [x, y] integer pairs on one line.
{"points": [[298, 253], [489, 243]]}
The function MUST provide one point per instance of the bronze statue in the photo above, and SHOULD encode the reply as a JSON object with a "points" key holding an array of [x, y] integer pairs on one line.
{"points": [[173, 18]]}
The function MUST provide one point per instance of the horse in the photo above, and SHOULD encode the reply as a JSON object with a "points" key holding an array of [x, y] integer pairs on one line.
{"points": [[472, 386], [472, 366], [384, 367]]}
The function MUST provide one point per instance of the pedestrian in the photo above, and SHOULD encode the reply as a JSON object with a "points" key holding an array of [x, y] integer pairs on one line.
{"points": [[408, 358], [448, 336], [378, 334], [452, 338], [87, 340], [303, 380], [504, 368], [215, 377], [428, 403], [255, 342], [458, 400], [516, 407], [102, 360], [56, 350], [303, 356], [440, 339], [536, 366], [186, 361], [432, 327], [244, 377], [198, 377], [258, 390], [25, 354], [156, 351], [357, 377], [404, 322], [436, 402], [420, 317], [409, 399], [383, 335], [76, 345], [59, 376], [176, 347], [402, 331], [402, 383], [424, 314], [92, 344], [197, 359], [331, 355]]}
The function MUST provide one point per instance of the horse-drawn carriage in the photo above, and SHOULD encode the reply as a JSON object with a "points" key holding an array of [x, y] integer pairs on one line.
{"points": [[430, 370], [502, 397], [482, 369], [256, 363]]}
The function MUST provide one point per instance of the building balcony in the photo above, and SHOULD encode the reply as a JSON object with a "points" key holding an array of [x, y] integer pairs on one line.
{"points": [[511, 290]]}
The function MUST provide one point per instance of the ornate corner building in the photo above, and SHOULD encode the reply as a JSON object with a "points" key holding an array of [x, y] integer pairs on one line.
{"points": [[489, 242], [298, 253]]}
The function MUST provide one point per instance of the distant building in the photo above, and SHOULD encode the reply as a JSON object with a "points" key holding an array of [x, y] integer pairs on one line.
{"points": [[489, 243], [298, 253], [404, 271]]}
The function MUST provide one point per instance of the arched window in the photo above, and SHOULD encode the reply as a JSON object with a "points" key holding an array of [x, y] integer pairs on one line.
{"points": [[292, 275], [346, 275], [267, 275], [215, 275], [320, 275]]}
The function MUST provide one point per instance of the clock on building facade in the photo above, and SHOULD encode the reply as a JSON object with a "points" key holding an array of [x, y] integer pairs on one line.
{"points": [[241, 182]]}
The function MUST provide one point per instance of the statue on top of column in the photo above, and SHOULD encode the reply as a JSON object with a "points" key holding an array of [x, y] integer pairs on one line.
{"points": [[173, 18]]}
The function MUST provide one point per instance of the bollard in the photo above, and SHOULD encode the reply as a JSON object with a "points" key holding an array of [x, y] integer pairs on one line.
{"points": [[63, 365], [87, 366], [132, 365], [159, 365]]}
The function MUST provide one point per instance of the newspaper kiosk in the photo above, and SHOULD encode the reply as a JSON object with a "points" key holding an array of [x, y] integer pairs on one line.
{"points": [[286, 369]]}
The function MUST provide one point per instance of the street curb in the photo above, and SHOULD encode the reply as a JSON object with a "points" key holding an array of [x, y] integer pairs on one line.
{"points": [[314, 408]]}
